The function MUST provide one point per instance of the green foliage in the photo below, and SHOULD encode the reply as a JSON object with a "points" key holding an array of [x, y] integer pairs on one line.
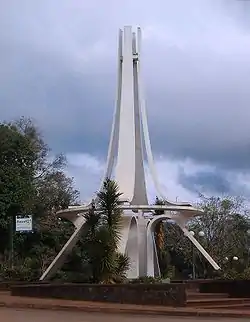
{"points": [[225, 223], [19, 272], [146, 280], [104, 221], [234, 274], [31, 182], [121, 267], [16, 171]]}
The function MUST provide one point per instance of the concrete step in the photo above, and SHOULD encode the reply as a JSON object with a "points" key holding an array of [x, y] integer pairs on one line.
{"points": [[213, 302], [197, 295], [241, 307]]}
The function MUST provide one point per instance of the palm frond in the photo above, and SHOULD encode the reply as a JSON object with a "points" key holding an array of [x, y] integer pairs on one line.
{"points": [[105, 222], [108, 200], [122, 265]]}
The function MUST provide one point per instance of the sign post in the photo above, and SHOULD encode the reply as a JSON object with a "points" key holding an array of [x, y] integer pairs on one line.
{"points": [[24, 223]]}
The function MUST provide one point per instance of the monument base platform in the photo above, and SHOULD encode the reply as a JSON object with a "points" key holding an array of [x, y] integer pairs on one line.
{"points": [[173, 295]]}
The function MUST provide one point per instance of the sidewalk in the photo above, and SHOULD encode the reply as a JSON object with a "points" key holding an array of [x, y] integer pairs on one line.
{"points": [[8, 301]]}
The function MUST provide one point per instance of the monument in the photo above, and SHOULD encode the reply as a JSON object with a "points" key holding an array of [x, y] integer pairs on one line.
{"points": [[129, 142]]}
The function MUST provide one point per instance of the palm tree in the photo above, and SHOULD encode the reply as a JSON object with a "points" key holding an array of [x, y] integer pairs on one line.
{"points": [[104, 221]]}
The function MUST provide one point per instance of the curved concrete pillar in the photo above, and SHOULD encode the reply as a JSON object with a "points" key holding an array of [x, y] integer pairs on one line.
{"points": [[75, 218], [153, 268], [132, 249], [181, 219], [129, 243], [129, 221]]}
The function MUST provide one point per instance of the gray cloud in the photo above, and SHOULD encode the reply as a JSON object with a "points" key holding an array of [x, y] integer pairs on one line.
{"points": [[206, 182], [58, 65]]}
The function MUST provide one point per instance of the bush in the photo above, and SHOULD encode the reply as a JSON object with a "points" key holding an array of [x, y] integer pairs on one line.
{"points": [[146, 280], [17, 273], [233, 274]]}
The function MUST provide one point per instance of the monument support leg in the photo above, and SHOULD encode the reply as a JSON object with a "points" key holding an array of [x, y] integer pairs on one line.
{"points": [[181, 222], [142, 244], [195, 242], [150, 253], [129, 244], [153, 268], [152, 256], [157, 270], [65, 251]]}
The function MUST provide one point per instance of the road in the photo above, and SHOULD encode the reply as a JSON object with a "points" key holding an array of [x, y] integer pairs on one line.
{"points": [[19, 315]]}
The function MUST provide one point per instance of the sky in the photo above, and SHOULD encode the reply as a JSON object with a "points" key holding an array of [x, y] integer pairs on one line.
{"points": [[58, 66]]}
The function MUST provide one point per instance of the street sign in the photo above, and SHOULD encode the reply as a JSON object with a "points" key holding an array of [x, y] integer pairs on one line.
{"points": [[24, 223]]}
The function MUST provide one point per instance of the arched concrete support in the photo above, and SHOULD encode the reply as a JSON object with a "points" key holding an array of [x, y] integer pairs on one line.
{"points": [[128, 220], [153, 268], [132, 249], [76, 218], [129, 243], [142, 243], [181, 220]]}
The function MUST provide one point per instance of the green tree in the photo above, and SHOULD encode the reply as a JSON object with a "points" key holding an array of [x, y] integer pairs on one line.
{"points": [[104, 221], [32, 182], [225, 223], [17, 170], [53, 189], [16, 180]]}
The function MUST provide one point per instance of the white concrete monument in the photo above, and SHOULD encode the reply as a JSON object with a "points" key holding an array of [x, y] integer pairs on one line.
{"points": [[129, 138]]}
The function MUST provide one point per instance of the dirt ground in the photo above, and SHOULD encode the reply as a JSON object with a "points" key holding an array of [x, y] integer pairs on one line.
{"points": [[20, 315]]}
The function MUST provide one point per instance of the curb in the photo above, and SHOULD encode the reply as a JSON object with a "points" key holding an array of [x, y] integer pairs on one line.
{"points": [[139, 311]]}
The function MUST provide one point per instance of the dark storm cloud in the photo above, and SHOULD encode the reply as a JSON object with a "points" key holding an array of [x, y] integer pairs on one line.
{"points": [[58, 65], [68, 105], [209, 182], [215, 181]]}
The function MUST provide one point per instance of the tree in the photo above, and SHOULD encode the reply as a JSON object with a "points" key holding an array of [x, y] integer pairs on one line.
{"points": [[17, 170], [224, 223], [32, 182], [104, 222], [54, 190], [16, 180]]}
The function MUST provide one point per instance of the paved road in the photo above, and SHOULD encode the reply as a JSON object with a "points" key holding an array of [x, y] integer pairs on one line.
{"points": [[18, 315]]}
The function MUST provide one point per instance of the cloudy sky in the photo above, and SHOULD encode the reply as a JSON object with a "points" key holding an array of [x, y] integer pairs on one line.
{"points": [[58, 66]]}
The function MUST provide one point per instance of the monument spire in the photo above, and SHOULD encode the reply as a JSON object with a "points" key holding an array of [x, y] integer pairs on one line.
{"points": [[126, 141]]}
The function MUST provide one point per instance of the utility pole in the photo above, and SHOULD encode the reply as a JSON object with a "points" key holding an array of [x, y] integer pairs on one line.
{"points": [[11, 243], [12, 212]]}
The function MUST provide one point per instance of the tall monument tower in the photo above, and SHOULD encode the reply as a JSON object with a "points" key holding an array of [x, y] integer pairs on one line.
{"points": [[128, 147], [126, 142]]}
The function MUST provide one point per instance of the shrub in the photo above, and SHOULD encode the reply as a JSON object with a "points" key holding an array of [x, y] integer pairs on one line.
{"points": [[146, 280]]}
